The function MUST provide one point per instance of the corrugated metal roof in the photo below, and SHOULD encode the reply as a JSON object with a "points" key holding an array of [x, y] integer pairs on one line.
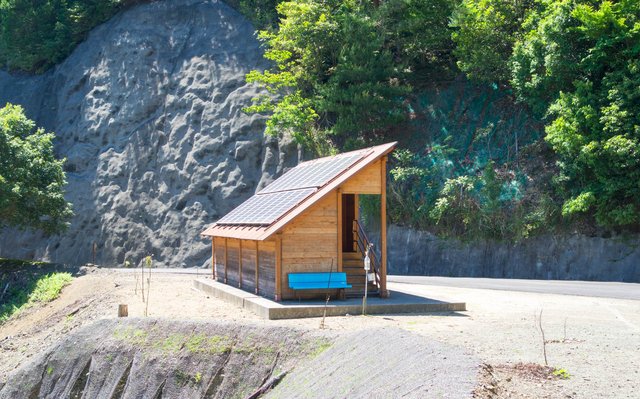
{"points": [[281, 201]]}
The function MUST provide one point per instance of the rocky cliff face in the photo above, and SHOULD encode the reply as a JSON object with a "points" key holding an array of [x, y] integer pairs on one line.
{"points": [[148, 113]]}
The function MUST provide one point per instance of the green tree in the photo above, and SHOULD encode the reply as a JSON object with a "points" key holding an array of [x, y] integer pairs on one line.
{"points": [[332, 73], [583, 58], [31, 178], [485, 32], [345, 68], [35, 35]]}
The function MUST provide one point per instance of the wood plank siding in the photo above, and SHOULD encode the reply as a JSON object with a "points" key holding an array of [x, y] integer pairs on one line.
{"points": [[309, 243], [249, 258], [267, 269], [366, 181], [233, 262], [219, 260]]}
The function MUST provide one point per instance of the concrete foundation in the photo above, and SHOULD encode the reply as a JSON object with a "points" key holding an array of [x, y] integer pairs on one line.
{"points": [[398, 302]]}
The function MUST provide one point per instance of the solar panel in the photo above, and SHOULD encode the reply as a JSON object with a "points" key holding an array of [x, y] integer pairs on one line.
{"points": [[313, 173], [264, 209]]}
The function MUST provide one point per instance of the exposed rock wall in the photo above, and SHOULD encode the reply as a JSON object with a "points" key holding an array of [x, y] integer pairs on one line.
{"points": [[148, 113], [571, 257]]}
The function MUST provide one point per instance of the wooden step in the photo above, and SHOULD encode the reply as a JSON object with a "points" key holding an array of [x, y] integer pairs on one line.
{"points": [[353, 262], [351, 255]]}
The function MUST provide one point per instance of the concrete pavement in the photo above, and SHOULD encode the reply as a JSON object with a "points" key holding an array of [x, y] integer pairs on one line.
{"points": [[600, 289]]}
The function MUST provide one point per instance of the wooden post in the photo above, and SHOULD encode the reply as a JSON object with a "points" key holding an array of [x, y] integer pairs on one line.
{"points": [[278, 267], [257, 267], [123, 310], [384, 293], [339, 249], [240, 265], [213, 258], [226, 250]]}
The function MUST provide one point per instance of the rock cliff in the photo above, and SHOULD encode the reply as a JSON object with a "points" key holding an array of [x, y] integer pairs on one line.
{"points": [[148, 113]]}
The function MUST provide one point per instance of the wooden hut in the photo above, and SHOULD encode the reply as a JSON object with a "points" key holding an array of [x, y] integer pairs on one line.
{"points": [[306, 221]]}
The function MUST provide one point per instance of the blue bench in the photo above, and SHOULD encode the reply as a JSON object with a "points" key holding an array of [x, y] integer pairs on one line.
{"points": [[315, 281]]}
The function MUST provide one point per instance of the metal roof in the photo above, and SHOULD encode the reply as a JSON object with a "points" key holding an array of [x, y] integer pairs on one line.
{"points": [[278, 203]]}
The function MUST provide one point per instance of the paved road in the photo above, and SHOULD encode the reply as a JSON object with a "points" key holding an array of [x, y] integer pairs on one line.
{"points": [[581, 288], [563, 287]]}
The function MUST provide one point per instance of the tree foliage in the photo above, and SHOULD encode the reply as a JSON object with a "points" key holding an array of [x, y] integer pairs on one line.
{"points": [[574, 62], [31, 178], [485, 33], [343, 68], [35, 35]]}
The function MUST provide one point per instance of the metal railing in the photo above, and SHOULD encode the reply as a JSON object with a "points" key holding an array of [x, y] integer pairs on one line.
{"points": [[361, 240]]}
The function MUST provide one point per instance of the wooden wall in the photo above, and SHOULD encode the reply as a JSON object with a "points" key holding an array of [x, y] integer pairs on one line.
{"points": [[241, 257], [367, 181], [310, 242], [249, 257], [219, 259], [233, 262], [267, 268]]}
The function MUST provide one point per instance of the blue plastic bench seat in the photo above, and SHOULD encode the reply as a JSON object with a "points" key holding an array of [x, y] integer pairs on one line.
{"points": [[315, 281]]}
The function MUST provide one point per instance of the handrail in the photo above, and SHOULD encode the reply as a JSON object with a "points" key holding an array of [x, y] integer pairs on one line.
{"points": [[361, 239]]}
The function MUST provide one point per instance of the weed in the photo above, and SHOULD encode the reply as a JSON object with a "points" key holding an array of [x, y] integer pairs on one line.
{"points": [[49, 370], [183, 378], [195, 343], [562, 374], [173, 343], [219, 344], [134, 336], [322, 345]]}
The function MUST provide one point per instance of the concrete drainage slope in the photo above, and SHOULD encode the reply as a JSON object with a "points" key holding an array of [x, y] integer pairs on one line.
{"points": [[143, 358], [161, 359]]}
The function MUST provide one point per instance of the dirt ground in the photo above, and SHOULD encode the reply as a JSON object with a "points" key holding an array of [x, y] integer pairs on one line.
{"points": [[596, 340]]}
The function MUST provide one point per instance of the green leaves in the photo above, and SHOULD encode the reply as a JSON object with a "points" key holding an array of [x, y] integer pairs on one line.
{"points": [[576, 64], [35, 35], [594, 125], [341, 68], [485, 33], [32, 179]]}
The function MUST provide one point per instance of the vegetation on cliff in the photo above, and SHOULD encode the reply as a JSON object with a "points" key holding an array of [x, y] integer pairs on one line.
{"points": [[35, 35], [348, 73]]}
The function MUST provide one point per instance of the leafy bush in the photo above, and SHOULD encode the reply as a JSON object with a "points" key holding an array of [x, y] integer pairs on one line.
{"points": [[485, 33], [575, 63], [31, 178], [590, 64]]}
